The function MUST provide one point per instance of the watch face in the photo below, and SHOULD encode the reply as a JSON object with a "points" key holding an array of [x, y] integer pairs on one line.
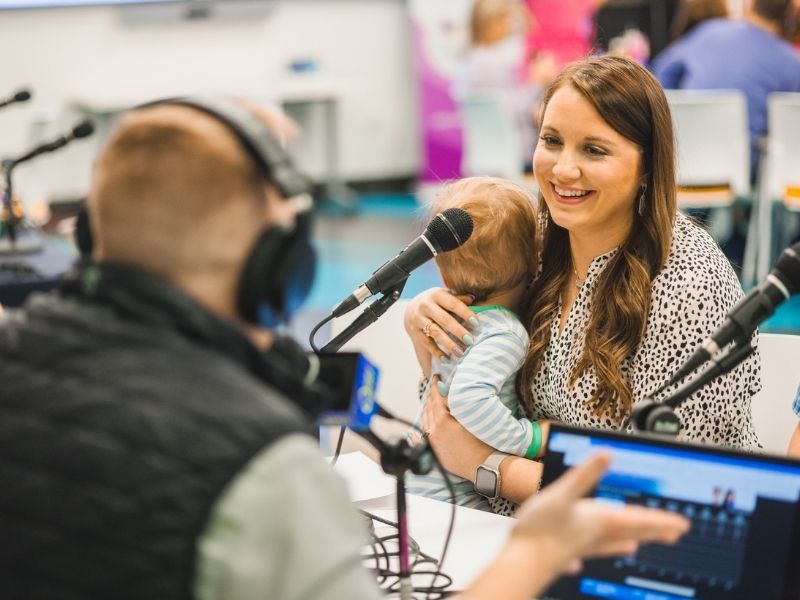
{"points": [[486, 482]]}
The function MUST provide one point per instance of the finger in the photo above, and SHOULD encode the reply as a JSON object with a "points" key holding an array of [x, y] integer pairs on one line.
{"points": [[618, 548], [467, 299], [446, 327], [580, 480], [573, 567], [437, 400], [432, 347], [645, 525], [457, 305]]}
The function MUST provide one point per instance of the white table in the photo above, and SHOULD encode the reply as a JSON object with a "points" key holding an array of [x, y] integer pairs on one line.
{"points": [[477, 537]]}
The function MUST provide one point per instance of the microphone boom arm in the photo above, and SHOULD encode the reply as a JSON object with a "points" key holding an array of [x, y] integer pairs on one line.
{"points": [[368, 316], [659, 417]]}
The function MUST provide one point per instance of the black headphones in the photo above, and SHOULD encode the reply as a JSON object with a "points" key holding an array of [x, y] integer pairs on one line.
{"points": [[279, 271]]}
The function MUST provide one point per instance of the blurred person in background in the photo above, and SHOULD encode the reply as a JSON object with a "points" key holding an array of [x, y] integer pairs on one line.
{"points": [[565, 29], [495, 66], [750, 55], [691, 13]]}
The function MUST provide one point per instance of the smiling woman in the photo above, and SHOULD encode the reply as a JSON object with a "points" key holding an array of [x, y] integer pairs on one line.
{"points": [[627, 286]]}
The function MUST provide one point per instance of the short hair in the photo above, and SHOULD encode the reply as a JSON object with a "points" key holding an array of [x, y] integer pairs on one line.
{"points": [[163, 187], [772, 10], [503, 249]]}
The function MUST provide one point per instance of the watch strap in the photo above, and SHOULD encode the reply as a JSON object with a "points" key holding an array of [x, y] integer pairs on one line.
{"points": [[494, 459], [492, 465]]}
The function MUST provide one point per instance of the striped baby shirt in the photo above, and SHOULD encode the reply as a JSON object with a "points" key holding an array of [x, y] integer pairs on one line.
{"points": [[482, 398]]}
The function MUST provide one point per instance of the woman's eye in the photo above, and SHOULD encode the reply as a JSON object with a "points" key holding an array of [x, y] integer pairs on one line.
{"points": [[549, 140], [595, 151]]}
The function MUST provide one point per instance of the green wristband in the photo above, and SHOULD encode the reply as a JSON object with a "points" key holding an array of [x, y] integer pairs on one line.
{"points": [[536, 441]]}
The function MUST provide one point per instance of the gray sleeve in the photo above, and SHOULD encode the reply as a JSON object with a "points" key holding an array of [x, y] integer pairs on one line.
{"points": [[284, 528]]}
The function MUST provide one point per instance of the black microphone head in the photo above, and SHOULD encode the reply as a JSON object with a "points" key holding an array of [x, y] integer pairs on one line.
{"points": [[83, 129], [449, 229], [787, 268], [22, 96]]}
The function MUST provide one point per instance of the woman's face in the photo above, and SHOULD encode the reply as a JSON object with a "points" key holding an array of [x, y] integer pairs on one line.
{"points": [[588, 173]]}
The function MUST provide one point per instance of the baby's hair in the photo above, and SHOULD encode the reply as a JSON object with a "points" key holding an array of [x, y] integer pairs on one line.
{"points": [[503, 249]]}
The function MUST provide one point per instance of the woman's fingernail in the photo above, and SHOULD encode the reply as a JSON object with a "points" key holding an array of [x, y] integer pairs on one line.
{"points": [[467, 339], [473, 321], [457, 352], [444, 358], [443, 389]]}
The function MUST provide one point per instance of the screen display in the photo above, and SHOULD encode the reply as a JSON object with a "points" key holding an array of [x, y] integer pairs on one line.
{"points": [[4, 4], [350, 381], [744, 542]]}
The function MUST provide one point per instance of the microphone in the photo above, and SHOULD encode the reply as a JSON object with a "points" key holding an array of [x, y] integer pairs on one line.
{"points": [[21, 96], [10, 217], [81, 130], [447, 231], [781, 283]]}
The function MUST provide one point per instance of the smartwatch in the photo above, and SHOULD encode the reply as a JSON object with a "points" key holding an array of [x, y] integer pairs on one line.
{"points": [[487, 478]]}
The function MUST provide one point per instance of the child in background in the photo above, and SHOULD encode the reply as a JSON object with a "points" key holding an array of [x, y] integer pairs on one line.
{"points": [[494, 266]]}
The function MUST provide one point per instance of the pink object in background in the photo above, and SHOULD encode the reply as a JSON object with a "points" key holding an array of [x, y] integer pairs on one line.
{"points": [[564, 28]]}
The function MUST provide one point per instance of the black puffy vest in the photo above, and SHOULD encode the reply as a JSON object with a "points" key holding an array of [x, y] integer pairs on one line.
{"points": [[122, 418]]}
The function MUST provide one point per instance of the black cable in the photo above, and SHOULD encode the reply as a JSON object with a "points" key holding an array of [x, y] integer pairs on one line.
{"points": [[315, 330], [452, 491], [338, 446], [388, 580]]}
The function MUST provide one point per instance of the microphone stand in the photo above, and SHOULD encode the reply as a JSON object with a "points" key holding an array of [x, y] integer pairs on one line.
{"points": [[659, 417], [367, 317], [396, 457]]}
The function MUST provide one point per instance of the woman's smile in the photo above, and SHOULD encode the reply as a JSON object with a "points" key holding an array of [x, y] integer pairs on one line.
{"points": [[569, 195]]}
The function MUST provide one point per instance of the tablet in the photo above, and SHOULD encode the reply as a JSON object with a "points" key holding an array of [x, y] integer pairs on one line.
{"points": [[744, 543]]}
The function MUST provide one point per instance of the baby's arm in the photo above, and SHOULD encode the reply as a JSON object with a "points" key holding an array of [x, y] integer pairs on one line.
{"points": [[474, 394]]}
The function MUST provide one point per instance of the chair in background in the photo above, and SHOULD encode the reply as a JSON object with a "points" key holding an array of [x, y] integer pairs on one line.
{"points": [[713, 148], [779, 185], [492, 141], [772, 406]]}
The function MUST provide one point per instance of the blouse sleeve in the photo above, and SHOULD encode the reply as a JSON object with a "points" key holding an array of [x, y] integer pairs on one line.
{"points": [[686, 309]]}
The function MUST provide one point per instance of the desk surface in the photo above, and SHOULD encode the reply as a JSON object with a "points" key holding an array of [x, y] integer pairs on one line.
{"points": [[477, 537]]}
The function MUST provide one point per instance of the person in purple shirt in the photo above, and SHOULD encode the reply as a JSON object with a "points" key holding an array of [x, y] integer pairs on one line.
{"points": [[747, 55]]}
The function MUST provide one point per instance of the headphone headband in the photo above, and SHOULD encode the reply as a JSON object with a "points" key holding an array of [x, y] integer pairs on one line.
{"points": [[272, 160]]}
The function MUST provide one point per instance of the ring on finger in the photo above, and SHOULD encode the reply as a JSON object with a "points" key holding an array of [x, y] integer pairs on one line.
{"points": [[427, 329]]}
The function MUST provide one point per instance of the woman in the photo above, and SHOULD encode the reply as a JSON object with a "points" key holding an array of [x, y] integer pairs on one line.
{"points": [[627, 287]]}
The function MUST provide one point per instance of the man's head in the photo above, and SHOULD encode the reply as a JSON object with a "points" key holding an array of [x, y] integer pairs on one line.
{"points": [[175, 193]]}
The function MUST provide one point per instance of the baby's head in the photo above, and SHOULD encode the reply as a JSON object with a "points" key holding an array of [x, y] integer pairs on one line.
{"points": [[502, 252]]}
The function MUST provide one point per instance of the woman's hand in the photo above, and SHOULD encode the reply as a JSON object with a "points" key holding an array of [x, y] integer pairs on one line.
{"points": [[430, 320], [459, 451]]}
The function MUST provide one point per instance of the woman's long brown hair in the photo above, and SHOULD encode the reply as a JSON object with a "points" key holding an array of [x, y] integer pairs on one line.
{"points": [[632, 102]]}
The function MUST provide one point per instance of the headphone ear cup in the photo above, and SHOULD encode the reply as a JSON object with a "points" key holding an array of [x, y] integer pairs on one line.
{"points": [[277, 276]]}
